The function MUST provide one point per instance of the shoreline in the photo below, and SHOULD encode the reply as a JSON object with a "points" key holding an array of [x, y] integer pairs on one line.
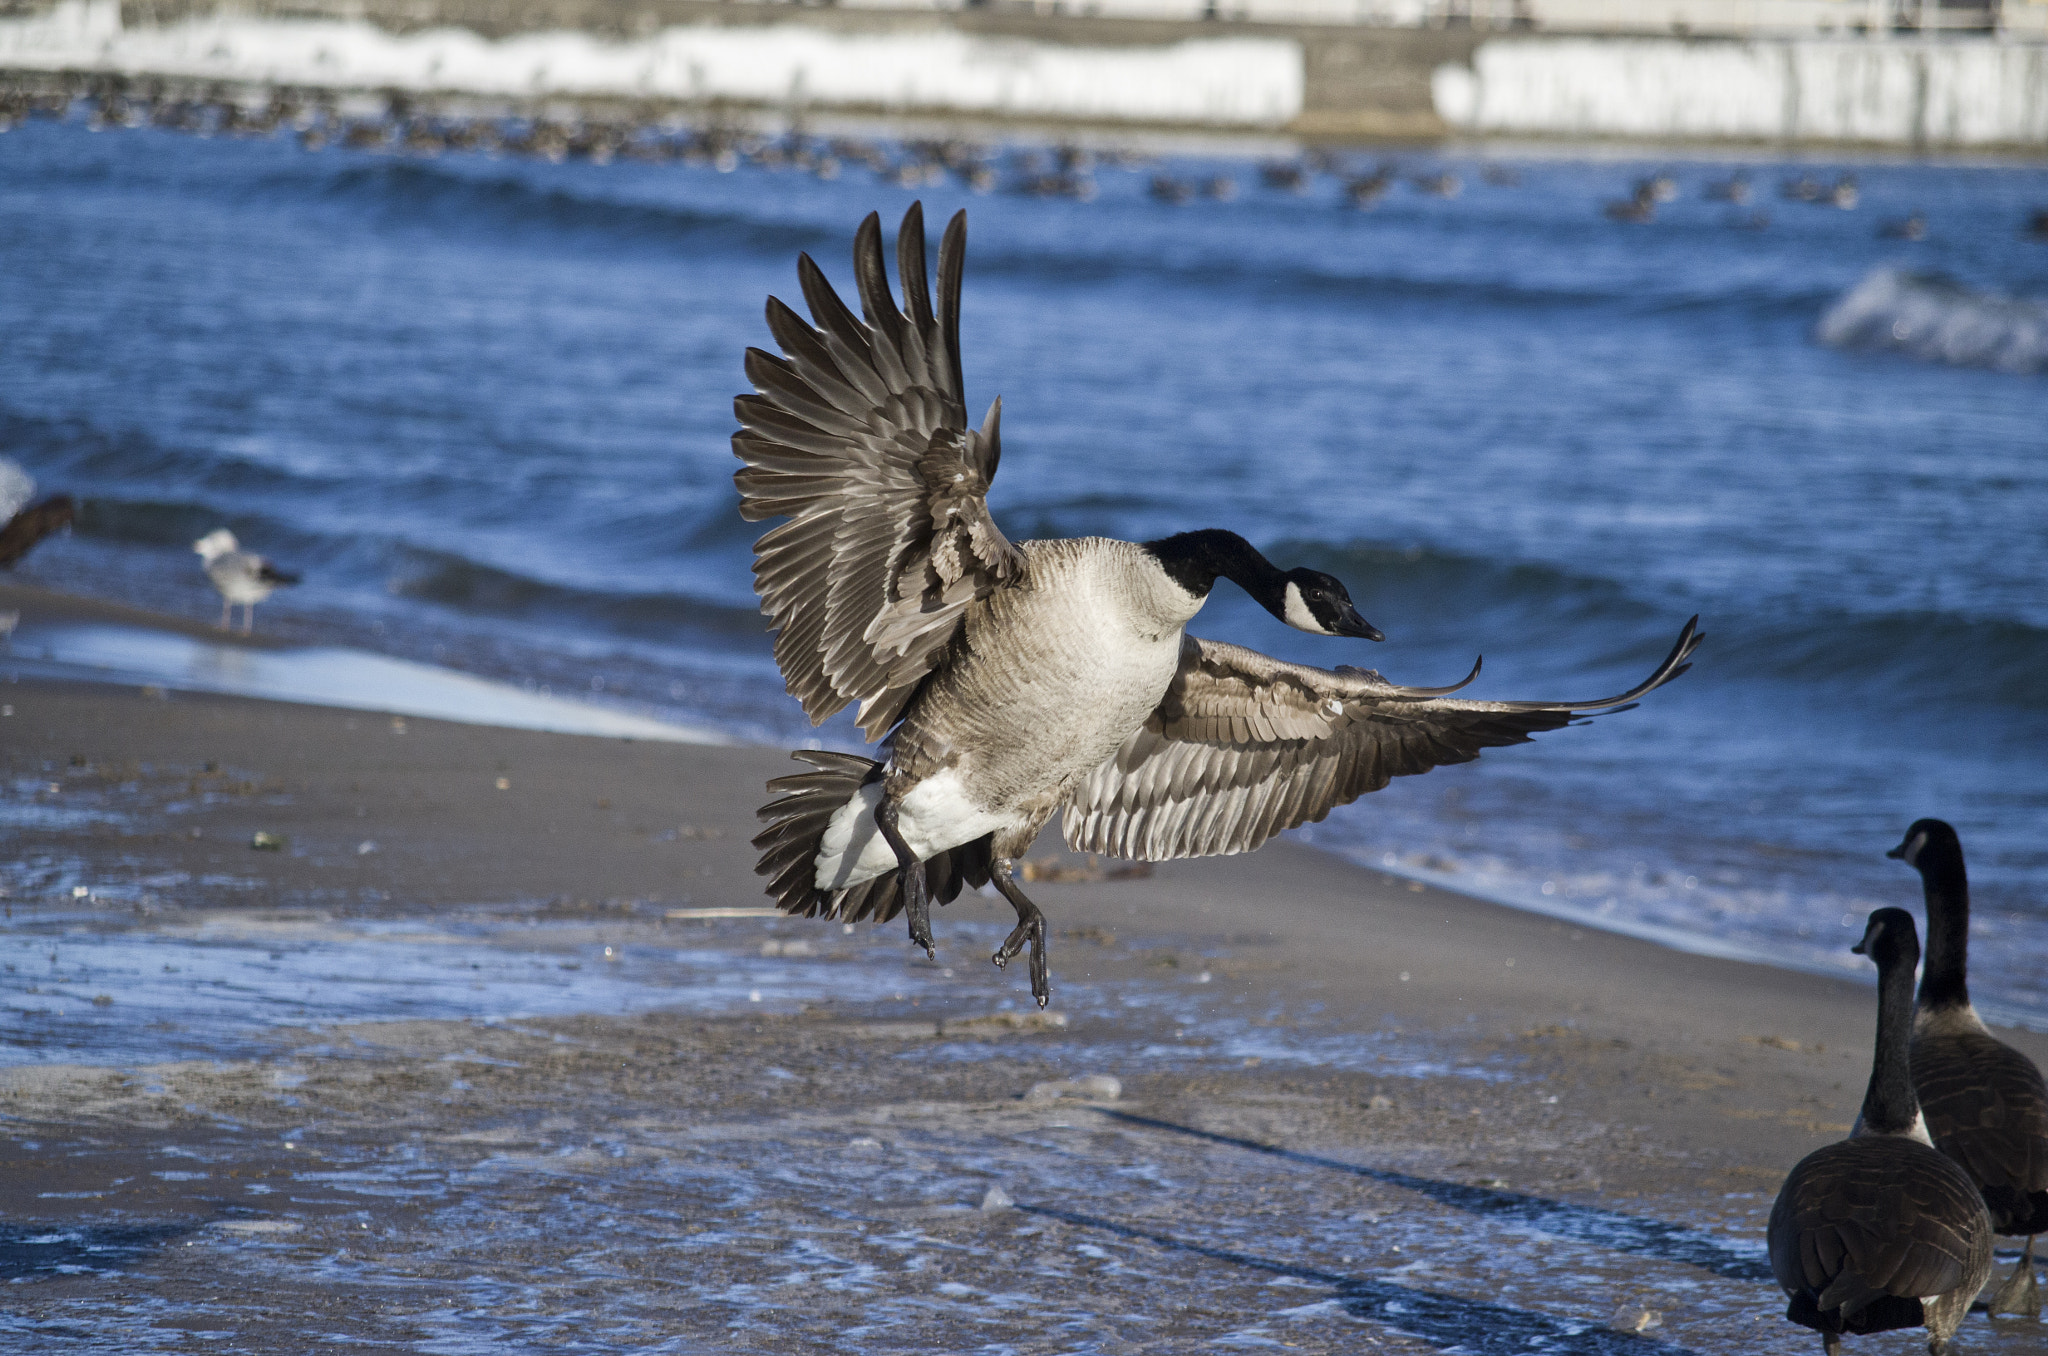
{"points": [[515, 1037], [48, 606]]}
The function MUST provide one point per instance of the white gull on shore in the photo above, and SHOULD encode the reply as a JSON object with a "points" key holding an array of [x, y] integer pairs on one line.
{"points": [[241, 576]]}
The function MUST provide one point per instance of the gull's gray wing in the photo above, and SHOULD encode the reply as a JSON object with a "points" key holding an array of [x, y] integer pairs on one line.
{"points": [[1244, 746], [858, 435]]}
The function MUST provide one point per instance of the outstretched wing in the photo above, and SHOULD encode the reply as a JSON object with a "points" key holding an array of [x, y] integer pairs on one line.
{"points": [[22, 531], [858, 435], [1244, 746]]}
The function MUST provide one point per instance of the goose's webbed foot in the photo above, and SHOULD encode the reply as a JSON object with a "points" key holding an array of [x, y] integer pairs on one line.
{"points": [[1030, 928], [917, 895], [2019, 1294], [917, 906]]}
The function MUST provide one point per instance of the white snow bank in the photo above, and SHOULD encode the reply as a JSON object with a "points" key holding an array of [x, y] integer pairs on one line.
{"points": [[1960, 92], [1231, 81], [1939, 320]]}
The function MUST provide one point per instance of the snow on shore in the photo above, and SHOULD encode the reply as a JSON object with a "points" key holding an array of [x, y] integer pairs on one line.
{"points": [[1960, 92], [1224, 81]]}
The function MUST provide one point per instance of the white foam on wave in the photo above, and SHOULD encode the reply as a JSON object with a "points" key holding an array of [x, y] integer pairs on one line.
{"points": [[323, 676], [1225, 81], [1940, 320]]}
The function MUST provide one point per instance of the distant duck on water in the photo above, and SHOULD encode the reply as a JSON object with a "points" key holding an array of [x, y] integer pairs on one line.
{"points": [[243, 577], [1017, 680], [1881, 1231], [1986, 1103]]}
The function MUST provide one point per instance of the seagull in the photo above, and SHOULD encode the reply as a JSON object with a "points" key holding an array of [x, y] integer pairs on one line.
{"points": [[26, 523], [241, 576]]}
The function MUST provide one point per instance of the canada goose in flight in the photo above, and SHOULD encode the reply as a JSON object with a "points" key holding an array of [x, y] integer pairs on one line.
{"points": [[1986, 1104], [1880, 1231], [23, 524], [1016, 680], [241, 576]]}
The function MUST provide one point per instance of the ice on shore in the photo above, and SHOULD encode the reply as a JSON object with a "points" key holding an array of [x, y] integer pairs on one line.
{"points": [[1959, 93], [1226, 81]]}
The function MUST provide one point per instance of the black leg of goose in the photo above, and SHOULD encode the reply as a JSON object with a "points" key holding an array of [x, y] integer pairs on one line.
{"points": [[2020, 1294], [917, 900], [1030, 928]]}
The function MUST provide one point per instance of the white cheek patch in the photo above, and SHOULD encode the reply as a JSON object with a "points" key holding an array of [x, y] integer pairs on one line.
{"points": [[1913, 849], [1295, 609]]}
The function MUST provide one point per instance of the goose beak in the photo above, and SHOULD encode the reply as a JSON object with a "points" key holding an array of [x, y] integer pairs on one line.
{"points": [[1858, 949], [1351, 624], [1897, 854]]}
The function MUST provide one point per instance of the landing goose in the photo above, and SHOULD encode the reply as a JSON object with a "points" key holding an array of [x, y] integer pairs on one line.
{"points": [[243, 577], [1986, 1104], [1881, 1231], [1014, 680]]}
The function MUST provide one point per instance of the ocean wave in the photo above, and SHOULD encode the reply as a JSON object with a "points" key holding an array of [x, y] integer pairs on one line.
{"points": [[507, 200], [1940, 320], [1435, 599], [475, 588]]}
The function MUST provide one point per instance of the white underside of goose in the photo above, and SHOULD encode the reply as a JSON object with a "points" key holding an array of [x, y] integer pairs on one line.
{"points": [[937, 814]]}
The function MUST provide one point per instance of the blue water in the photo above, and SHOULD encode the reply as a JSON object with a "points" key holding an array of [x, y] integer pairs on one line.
{"points": [[484, 405]]}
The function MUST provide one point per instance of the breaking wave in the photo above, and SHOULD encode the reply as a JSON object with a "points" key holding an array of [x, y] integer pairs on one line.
{"points": [[1940, 320]]}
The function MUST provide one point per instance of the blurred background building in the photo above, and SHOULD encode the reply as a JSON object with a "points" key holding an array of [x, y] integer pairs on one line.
{"points": [[1900, 73]]}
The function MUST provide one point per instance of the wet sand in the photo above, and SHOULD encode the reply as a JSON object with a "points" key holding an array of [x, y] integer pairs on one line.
{"points": [[470, 1061]]}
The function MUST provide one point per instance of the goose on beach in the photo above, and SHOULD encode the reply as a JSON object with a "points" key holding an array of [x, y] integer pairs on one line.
{"points": [[1986, 1103], [1880, 1230], [243, 577], [1017, 680]]}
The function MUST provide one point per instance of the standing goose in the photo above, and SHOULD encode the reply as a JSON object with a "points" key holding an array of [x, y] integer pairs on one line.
{"points": [[1016, 680], [1880, 1231], [1986, 1104]]}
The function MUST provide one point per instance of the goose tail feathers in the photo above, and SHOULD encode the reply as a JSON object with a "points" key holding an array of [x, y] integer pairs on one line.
{"points": [[797, 818]]}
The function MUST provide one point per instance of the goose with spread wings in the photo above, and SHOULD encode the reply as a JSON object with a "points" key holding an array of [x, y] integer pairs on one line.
{"points": [[1014, 681]]}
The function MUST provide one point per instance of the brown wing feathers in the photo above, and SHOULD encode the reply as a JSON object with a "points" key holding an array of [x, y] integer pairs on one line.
{"points": [[858, 435], [1987, 1109], [1244, 746], [22, 531], [1869, 1218]]}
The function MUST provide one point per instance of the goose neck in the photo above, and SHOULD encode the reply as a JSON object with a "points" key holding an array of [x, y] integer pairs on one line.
{"points": [[1196, 560], [1945, 983], [1889, 1104]]}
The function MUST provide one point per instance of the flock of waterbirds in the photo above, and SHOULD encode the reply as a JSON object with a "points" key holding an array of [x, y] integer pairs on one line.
{"points": [[1066, 171]]}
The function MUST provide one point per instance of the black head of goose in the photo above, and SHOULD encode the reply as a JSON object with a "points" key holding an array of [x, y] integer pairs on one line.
{"points": [[1986, 1103], [1015, 681], [1880, 1231]]}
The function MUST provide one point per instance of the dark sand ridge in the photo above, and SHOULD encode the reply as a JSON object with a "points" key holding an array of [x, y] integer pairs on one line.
{"points": [[808, 1172]]}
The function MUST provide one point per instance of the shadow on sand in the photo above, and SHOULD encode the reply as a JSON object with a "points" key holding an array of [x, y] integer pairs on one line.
{"points": [[1475, 1327], [1580, 1223], [33, 1254]]}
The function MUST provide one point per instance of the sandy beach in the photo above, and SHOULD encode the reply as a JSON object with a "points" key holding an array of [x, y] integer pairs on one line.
{"points": [[483, 1050]]}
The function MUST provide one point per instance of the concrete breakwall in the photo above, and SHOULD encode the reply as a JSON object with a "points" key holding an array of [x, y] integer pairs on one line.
{"points": [[1313, 80]]}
